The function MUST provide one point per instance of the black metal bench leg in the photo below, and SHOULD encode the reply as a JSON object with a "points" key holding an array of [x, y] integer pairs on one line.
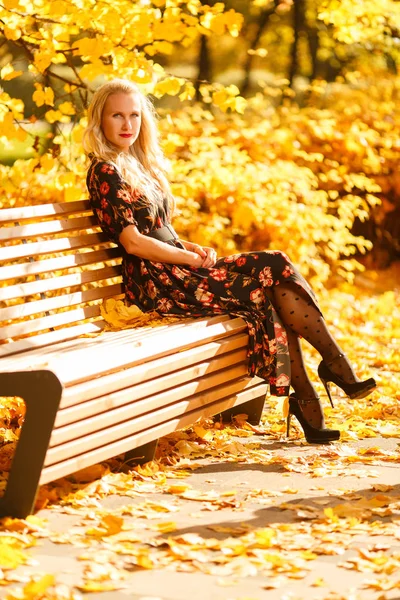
{"points": [[141, 454], [253, 409], [41, 392]]}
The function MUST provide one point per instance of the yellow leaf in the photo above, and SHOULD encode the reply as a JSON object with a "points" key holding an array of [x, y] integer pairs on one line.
{"points": [[149, 469], [11, 33], [90, 473], [72, 193], [92, 48], [53, 115], [37, 522], [264, 537], [43, 60], [328, 512], [67, 108], [178, 488], [11, 557], [112, 524], [289, 490], [170, 85], [166, 527], [143, 560], [7, 73], [204, 434], [188, 93], [11, 4], [100, 586], [168, 30], [47, 162], [35, 589], [233, 21], [319, 582], [109, 525]]}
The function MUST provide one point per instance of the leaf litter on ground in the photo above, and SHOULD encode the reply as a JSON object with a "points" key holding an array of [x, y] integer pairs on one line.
{"points": [[328, 524]]}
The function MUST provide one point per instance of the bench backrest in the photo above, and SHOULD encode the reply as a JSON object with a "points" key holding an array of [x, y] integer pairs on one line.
{"points": [[56, 267]]}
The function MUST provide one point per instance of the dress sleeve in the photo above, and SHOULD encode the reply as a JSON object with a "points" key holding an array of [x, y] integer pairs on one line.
{"points": [[111, 199]]}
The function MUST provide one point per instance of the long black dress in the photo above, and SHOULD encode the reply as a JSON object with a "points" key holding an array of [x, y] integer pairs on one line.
{"points": [[239, 284]]}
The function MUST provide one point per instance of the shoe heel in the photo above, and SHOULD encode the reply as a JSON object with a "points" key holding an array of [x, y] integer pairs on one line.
{"points": [[328, 391], [312, 434], [288, 424]]}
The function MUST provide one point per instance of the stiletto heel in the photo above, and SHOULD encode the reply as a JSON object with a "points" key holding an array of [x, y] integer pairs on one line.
{"points": [[312, 434], [288, 423], [357, 389], [327, 389]]}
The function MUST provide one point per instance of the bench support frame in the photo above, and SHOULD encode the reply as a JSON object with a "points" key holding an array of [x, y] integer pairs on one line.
{"points": [[41, 392]]}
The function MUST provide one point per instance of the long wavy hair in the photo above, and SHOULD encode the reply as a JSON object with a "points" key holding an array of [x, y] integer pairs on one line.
{"points": [[144, 166]]}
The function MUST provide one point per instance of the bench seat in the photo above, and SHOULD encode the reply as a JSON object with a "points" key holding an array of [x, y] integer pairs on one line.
{"points": [[90, 393]]}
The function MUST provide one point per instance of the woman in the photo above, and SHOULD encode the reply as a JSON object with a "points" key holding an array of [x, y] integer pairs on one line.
{"points": [[131, 197]]}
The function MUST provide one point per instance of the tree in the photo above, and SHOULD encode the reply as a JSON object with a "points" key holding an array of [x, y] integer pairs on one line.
{"points": [[69, 44]]}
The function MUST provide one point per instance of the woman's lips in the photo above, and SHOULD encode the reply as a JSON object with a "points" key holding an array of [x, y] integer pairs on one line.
{"points": [[125, 135]]}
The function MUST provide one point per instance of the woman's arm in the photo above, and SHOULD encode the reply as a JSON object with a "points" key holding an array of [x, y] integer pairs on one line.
{"points": [[147, 247]]}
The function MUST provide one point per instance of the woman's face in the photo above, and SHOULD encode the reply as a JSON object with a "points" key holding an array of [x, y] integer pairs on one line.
{"points": [[121, 119]]}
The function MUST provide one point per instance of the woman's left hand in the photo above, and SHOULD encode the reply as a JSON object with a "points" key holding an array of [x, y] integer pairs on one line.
{"points": [[211, 257]]}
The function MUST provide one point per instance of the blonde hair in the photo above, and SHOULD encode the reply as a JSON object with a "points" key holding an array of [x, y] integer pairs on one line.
{"points": [[144, 166]]}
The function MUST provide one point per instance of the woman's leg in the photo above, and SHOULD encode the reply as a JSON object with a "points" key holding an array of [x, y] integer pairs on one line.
{"points": [[300, 382], [299, 312]]}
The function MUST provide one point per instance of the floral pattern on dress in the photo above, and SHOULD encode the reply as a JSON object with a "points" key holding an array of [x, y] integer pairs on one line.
{"points": [[238, 285]]}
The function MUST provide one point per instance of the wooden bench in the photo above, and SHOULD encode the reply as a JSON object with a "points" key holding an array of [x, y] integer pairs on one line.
{"points": [[92, 394]]}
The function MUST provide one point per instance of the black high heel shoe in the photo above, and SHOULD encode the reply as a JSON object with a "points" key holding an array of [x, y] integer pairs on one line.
{"points": [[312, 434], [358, 389]]}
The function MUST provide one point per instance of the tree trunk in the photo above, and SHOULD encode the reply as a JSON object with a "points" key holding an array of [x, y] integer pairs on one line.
{"points": [[313, 44], [298, 21], [261, 25], [204, 71]]}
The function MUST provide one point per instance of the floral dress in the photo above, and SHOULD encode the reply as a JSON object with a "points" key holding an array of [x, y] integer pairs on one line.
{"points": [[239, 284]]}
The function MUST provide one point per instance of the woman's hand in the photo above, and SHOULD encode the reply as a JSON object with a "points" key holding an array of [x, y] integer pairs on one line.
{"points": [[210, 257], [203, 255]]}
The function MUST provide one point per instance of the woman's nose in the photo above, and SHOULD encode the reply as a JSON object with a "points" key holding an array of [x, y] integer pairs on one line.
{"points": [[127, 124]]}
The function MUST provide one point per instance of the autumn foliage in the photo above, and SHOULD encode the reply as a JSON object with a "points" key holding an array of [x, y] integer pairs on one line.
{"points": [[260, 172]]}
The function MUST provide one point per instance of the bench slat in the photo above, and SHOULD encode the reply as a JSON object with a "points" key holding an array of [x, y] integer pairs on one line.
{"points": [[27, 309], [57, 320], [128, 352], [49, 350], [21, 290], [23, 213], [60, 263], [137, 423], [80, 415], [36, 342], [47, 228], [141, 373], [41, 352], [61, 244], [135, 440], [60, 351], [113, 351]]}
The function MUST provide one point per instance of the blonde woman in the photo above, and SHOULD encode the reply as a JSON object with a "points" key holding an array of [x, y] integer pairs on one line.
{"points": [[131, 197]]}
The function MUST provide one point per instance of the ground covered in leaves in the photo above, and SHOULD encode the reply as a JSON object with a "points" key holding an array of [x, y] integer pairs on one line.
{"points": [[236, 512]]}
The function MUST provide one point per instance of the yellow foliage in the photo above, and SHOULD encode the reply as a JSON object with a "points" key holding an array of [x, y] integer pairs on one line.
{"points": [[169, 85], [43, 95]]}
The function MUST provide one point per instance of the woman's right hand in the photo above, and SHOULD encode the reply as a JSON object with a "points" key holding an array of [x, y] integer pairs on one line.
{"points": [[195, 260]]}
